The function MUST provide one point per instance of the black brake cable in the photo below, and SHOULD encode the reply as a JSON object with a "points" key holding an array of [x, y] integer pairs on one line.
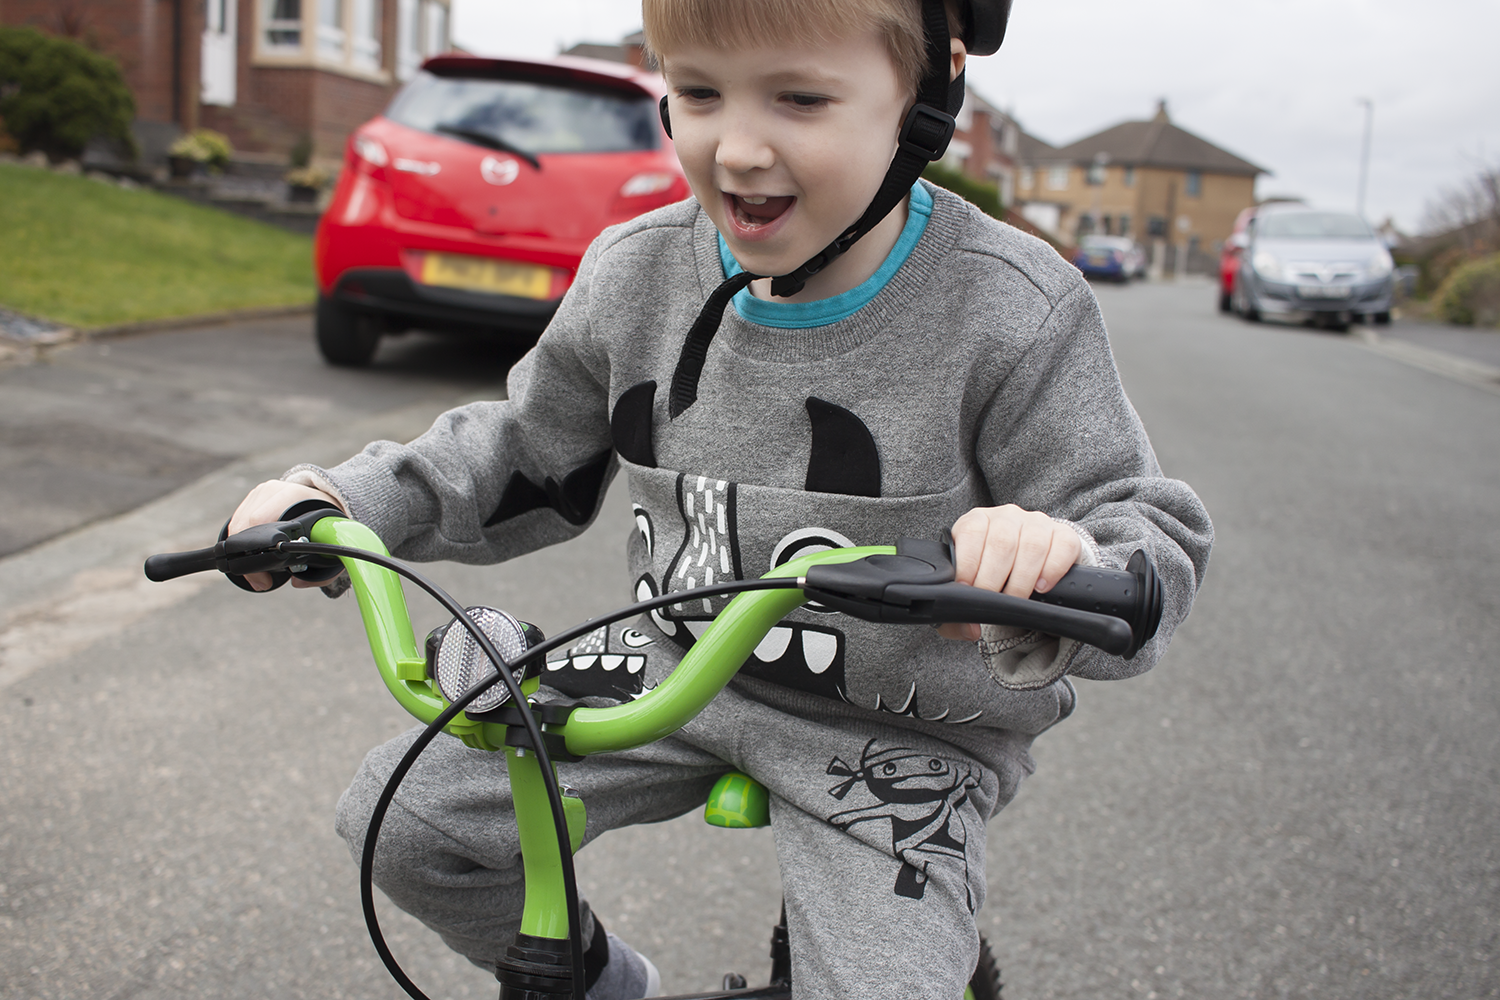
{"points": [[503, 672]]}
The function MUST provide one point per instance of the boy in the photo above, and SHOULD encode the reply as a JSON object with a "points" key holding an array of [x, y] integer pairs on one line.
{"points": [[938, 370]]}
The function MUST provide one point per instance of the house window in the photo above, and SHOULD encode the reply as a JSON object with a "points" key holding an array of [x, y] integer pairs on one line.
{"points": [[1194, 185], [421, 31], [1124, 224], [435, 35], [1096, 174], [1027, 179], [1130, 177], [283, 25], [408, 38], [364, 46], [331, 30], [1057, 178]]}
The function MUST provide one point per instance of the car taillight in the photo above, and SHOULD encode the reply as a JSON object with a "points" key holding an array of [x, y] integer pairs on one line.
{"points": [[647, 184], [371, 151]]}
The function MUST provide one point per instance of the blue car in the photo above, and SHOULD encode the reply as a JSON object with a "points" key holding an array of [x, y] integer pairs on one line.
{"points": [[1116, 258]]}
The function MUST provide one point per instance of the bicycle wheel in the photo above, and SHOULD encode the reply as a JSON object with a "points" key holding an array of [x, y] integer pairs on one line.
{"points": [[985, 983]]}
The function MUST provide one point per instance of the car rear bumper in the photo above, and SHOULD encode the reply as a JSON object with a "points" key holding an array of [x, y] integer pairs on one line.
{"points": [[391, 294]]}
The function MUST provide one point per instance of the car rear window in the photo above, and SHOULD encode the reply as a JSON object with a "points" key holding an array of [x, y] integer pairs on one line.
{"points": [[1313, 226], [530, 116]]}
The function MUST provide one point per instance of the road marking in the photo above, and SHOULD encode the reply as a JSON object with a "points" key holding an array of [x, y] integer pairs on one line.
{"points": [[97, 603], [1451, 366]]}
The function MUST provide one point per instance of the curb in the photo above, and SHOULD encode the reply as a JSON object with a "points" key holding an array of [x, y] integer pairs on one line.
{"points": [[202, 319], [17, 352], [67, 592], [1475, 373]]}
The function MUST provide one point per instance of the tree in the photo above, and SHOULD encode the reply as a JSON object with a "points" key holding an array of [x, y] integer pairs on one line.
{"points": [[56, 95]]}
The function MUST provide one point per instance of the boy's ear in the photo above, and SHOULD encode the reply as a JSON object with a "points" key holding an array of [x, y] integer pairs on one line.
{"points": [[959, 56], [666, 119]]}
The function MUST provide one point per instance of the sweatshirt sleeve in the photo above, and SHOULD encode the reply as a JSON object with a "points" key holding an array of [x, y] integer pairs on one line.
{"points": [[1060, 436], [495, 479]]}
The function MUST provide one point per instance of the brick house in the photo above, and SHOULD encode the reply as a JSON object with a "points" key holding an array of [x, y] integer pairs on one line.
{"points": [[264, 72], [985, 146], [1151, 180]]}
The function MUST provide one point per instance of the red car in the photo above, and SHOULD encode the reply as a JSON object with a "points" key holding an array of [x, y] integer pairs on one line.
{"points": [[467, 205], [1229, 258]]}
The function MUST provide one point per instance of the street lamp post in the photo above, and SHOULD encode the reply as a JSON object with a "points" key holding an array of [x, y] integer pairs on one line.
{"points": [[1364, 156]]}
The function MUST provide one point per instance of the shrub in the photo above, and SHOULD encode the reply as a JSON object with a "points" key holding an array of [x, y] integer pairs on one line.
{"points": [[1471, 294], [205, 146], [56, 95], [985, 196]]}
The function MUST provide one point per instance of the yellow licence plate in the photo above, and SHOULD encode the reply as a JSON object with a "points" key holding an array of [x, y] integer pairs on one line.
{"points": [[483, 274]]}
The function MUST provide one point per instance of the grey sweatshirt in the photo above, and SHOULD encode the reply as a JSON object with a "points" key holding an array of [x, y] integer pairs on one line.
{"points": [[979, 375]]}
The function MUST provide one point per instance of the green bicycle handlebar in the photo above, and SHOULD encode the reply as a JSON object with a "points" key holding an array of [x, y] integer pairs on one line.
{"points": [[701, 674]]}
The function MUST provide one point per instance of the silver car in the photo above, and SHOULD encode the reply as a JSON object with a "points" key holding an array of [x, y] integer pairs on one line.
{"points": [[1326, 267]]}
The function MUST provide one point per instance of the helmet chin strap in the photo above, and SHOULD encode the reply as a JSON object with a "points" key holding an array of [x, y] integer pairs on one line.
{"points": [[923, 138]]}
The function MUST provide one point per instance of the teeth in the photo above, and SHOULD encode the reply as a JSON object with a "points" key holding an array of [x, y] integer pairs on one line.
{"points": [[774, 645], [819, 649], [611, 661], [747, 199]]}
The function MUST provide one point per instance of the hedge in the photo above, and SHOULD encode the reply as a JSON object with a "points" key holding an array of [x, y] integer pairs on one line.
{"points": [[1470, 295], [56, 95]]}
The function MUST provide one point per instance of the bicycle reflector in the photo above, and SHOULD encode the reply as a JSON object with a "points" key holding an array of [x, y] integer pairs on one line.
{"points": [[456, 661]]}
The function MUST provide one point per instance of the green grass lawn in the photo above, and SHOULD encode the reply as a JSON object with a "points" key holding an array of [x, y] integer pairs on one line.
{"points": [[90, 254]]}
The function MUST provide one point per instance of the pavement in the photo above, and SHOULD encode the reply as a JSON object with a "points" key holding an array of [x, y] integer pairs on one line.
{"points": [[1299, 801]]}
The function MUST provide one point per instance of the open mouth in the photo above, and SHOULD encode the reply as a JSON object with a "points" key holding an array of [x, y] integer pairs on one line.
{"points": [[756, 215]]}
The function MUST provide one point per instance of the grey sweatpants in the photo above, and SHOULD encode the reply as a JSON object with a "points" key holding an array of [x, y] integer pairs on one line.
{"points": [[879, 831]]}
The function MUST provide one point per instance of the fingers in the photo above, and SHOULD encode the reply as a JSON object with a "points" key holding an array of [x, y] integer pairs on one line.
{"points": [[1003, 548], [1011, 551], [265, 503], [1063, 556]]}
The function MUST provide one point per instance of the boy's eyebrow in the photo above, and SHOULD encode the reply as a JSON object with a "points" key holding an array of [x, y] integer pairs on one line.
{"points": [[810, 76]]}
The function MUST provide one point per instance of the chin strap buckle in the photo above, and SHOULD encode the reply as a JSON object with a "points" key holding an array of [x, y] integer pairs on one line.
{"points": [[926, 132]]}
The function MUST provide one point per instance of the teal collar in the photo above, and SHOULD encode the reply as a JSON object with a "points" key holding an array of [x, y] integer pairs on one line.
{"points": [[800, 315]]}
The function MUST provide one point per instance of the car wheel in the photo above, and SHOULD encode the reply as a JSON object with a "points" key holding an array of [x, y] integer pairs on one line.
{"points": [[1226, 302], [345, 337], [1382, 319], [1247, 310]]}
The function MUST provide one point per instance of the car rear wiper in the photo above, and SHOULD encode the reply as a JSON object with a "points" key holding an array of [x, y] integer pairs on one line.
{"points": [[488, 141]]}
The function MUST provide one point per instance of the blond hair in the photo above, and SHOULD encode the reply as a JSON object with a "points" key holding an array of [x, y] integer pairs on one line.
{"points": [[675, 24]]}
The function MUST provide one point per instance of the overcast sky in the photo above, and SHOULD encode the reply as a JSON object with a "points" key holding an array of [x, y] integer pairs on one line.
{"points": [[1276, 82]]}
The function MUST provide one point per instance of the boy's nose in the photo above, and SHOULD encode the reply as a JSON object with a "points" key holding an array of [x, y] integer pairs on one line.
{"points": [[742, 148]]}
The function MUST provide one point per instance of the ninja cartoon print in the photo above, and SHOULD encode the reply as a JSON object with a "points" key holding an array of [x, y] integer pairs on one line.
{"points": [[924, 798]]}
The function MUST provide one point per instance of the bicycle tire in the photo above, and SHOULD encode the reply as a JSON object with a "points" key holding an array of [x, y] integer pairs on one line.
{"points": [[985, 983]]}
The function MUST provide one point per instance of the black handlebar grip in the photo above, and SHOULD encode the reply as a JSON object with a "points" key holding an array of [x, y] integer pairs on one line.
{"points": [[1132, 594], [170, 565]]}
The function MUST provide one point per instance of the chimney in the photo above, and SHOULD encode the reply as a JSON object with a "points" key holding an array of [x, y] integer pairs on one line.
{"points": [[1161, 111]]}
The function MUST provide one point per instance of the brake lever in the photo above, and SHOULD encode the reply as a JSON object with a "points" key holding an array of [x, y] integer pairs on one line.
{"points": [[916, 587], [255, 550]]}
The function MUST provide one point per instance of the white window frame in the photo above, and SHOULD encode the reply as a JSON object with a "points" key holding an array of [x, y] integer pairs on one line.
{"points": [[353, 45], [1057, 178]]}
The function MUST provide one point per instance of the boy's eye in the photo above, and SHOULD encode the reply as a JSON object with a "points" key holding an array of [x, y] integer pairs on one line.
{"points": [[697, 93], [807, 100]]}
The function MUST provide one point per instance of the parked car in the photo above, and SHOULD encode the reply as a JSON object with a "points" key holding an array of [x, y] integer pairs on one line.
{"points": [[1118, 258], [1328, 267], [1229, 258], [467, 205]]}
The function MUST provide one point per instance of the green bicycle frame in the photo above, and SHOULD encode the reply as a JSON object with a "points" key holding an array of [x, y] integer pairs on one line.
{"points": [[704, 671]]}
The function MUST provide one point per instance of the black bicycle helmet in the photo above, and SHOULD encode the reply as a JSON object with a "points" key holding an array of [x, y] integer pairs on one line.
{"points": [[924, 138]]}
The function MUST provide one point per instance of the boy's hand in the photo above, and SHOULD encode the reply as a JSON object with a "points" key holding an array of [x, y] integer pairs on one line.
{"points": [[1012, 551], [265, 504]]}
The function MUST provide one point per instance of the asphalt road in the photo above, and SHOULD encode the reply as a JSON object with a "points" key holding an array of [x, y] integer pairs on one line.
{"points": [[1300, 801], [105, 426]]}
